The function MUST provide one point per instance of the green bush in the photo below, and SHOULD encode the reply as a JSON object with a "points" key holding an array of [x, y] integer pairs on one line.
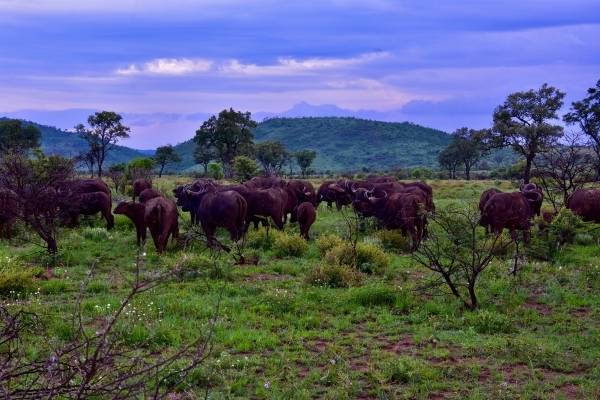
{"points": [[191, 266], [374, 295], [95, 234], [258, 239], [394, 240], [287, 245], [407, 370], [563, 228], [489, 322], [215, 171], [15, 278], [334, 276], [367, 258], [328, 242], [584, 239]]}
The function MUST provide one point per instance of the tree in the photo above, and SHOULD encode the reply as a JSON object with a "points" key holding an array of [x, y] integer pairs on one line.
{"points": [[16, 136], [105, 131], [88, 160], [140, 168], [272, 155], [165, 155], [215, 171], [468, 147], [203, 155], [586, 114], [34, 183], [304, 159], [244, 168], [449, 160], [457, 253], [523, 123], [117, 173], [563, 169], [230, 134]]}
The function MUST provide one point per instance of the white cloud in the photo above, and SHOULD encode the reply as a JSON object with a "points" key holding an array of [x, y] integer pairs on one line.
{"points": [[168, 66], [292, 66]]}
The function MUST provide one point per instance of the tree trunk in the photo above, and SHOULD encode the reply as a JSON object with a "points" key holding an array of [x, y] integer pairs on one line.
{"points": [[527, 173], [162, 167], [52, 247], [468, 172]]}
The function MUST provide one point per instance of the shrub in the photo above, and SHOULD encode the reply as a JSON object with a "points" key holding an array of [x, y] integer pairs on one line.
{"points": [[367, 258], [584, 239], [258, 239], [328, 242], [190, 266], [563, 227], [374, 295], [95, 234], [334, 276], [394, 240], [215, 171], [489, 322], [15, 278], [407, 370], [286, 245]]}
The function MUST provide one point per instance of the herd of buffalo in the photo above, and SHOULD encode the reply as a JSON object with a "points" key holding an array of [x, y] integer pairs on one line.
{"points": [[396, 205]]}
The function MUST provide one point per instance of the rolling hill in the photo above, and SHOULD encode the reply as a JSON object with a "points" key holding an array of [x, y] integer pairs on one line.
{"points": [[344, 143]]}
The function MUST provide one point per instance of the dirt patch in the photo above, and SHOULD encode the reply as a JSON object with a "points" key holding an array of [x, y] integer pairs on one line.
{"points": [[515, 373], [581, 312], [439, 396], [359, 364], [569, 390], [541, 309], [403, 346], [319, 345], [266, 277]]}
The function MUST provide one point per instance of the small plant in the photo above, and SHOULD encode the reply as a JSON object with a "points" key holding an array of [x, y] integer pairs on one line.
{"points": [[328, 242], [287, 245], [334, 276], [374, 295], [366, 257], [260, 239], [393, 240], [563, 228], [191, 266], [95, 234], [489, 322], [15, 278], [407, 370]]}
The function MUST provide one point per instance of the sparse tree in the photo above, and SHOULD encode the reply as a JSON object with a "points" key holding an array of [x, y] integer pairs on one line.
{"points": [[117, 173], [34, 182], [586, 114], [203, 155], [87, 160], [17, 136], [105, 130], [449, 160], [140, 168], [244, 168], [304, 159], [523, 122], [272, 156], [564, 168], [468, 147], [165, 155], [229, 134]]}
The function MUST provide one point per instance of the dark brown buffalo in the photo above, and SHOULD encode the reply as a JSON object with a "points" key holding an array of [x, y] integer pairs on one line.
{"points": [[306, 217], [264, 182], [8, 211], [323, 193], [298, 191], [332, 192], [532, 187], [83, 186], [148, 194], [77, 204], [135, 212], [483, 199], [380, 179], [586, 204], [226, 209], [512, 211], [185, 202], [161, 218], [139, 185], [261, 204]]}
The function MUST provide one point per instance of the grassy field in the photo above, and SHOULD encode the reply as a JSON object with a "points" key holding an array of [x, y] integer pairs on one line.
{"points": [[535, 336]]}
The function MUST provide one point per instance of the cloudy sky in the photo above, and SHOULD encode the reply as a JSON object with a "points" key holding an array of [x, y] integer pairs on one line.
{"points": [[166, 65]]}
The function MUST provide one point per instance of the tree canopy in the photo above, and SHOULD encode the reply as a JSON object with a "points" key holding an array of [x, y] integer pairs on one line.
{"points": [[16, 136], [272, 156], [304, 159], [165, 155]]}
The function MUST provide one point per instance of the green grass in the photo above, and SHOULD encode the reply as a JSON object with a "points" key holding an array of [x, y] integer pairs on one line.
{"points": [[536, 336]]}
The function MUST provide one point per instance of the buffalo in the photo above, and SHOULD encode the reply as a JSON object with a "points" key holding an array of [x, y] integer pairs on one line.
{"points": [[139, 185], [332, 192], [533, 188], [161, 218], [77, 204], [483, 199], [215, 209], [512, 211], [261, 204], [136, 213], [586, 204], [8, 211], [185, 202], [148, 194], [306, 215]]}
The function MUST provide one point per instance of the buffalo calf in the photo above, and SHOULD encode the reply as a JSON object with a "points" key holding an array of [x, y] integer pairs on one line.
{"points": [[306, 215], [135, 212], [139, 185], [161, 218]]}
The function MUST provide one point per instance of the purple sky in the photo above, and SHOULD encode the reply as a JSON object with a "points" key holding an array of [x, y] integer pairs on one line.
{"points": [[167, 65]]}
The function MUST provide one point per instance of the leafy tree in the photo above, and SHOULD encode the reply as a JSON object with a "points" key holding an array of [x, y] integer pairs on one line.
{"points": [[449, 160], [118, 174], [586, 114], [16, 136], [165, 155], [468, 147], [304, 159], [215, 171], [203, 155], [272, 155], [244, 168], [523, 123], [105, 131], [140, 168], [230, 134]]}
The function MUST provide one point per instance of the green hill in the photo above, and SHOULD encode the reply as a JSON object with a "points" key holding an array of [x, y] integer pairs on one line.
{"points": [[68, 144], [348, 143]]}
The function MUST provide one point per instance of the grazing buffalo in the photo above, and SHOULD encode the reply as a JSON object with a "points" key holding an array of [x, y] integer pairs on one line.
{"points": [[298, 191], [148, 194], [306, 217], [406, 211], [332, 192], [264, 182], [586, 204], [161, 218], [77, 204], [83, 186], [532, 187], [226, 209], [185, 202], [483, 199], [510, 210], [136, 213], [8, 210], [139, 185], [261, 204]]}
